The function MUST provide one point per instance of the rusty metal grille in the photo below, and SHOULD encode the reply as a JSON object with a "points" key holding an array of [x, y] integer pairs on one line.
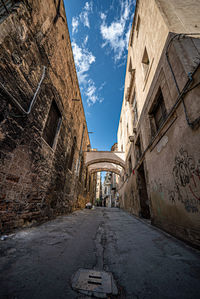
{"points": [[6, 6]]}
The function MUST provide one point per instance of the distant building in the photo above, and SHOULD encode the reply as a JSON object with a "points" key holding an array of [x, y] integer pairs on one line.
{"points": [[106, 192], [160, 117], [43, 131], [98, 186]]}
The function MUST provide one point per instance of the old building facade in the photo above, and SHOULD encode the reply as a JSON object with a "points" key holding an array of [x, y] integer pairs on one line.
{"points": [[43, 131], [159, 123]]}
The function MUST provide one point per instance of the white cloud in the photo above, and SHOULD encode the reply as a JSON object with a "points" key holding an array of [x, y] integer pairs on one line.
{"points": [[90, 93], [102, 16], [102, 86], [83, 60], [116, 34], [85, 40], [75, 24], [82, 18]]}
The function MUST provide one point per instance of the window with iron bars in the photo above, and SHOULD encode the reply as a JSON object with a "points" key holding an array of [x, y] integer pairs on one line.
{"points": [[6, 7]]}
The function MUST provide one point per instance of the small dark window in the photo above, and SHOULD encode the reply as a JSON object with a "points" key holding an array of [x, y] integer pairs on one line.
{"points": [[138, 25], [135, 111], [72, 154], [138, 149], [86, 177], [6, 6], [159, 112], [81, 169], [145, 62], [52, 124], [130, 165]]}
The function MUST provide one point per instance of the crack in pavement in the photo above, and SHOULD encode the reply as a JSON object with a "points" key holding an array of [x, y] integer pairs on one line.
{"points": [[100, 243]]}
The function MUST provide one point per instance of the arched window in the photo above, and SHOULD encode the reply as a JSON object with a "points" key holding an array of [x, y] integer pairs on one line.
{"points": [[72, 154]]}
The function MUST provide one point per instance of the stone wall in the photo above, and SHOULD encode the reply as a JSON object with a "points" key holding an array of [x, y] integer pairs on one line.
{"points": [[36, 183]]}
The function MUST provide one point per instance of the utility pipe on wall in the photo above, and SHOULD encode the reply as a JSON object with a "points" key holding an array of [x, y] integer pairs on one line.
{"points": [[34, 96]]}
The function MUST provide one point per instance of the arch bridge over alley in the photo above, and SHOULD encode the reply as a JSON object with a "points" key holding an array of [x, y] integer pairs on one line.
{"points": [[97, 161]]}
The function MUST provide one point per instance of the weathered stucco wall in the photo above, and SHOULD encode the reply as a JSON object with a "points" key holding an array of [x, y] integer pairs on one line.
{"points": [[180, 16], [172, 161], [161, 179], [174, 184], [35, 180]]}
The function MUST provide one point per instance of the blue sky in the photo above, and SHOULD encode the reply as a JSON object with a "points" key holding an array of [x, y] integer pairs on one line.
{"points": [[99, 32]]}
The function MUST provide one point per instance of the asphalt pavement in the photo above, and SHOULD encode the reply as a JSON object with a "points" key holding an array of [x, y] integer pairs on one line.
{"points": [[41, 261]]}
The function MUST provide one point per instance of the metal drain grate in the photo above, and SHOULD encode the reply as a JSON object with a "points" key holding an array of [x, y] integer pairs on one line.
{"points": [[94, 283]]}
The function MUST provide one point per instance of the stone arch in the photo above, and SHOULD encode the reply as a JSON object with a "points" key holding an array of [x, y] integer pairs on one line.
{"points": [[105, 166], [95, 157], [106, 169]]}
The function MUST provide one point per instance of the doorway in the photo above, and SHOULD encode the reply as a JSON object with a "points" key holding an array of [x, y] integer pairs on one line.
{"points": [[144, 201]]}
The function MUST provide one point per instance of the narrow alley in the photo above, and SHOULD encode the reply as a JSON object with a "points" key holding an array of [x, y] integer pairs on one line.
{"points": [[39, 262], [99, 149]]}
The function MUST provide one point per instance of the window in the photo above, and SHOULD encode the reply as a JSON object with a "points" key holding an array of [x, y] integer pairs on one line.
{"points": [[138, 25], [159, 111], [72, 154], [81, 170], [52, 124], [130, 165], [145, 62], [86, 177], [138, 150], [6, 6], [135, 112]]}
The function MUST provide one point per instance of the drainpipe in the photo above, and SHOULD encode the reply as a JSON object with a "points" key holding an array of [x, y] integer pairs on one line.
{"points": [[33, 99]]}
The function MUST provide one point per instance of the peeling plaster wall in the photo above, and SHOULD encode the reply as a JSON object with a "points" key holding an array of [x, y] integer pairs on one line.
{"points": [[35, 182]]}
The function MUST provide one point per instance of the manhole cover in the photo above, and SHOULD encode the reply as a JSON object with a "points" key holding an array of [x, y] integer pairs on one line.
{"points": [[96, 283]]}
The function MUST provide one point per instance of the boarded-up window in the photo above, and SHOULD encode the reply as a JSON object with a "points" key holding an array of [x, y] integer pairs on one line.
{"points": [[52, 124]]}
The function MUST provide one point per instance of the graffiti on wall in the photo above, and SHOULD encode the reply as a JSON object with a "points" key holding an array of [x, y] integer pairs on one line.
{"points": [[186, 174]]}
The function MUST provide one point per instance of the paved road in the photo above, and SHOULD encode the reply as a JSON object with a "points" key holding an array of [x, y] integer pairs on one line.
{"points": [[146, 263]]}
